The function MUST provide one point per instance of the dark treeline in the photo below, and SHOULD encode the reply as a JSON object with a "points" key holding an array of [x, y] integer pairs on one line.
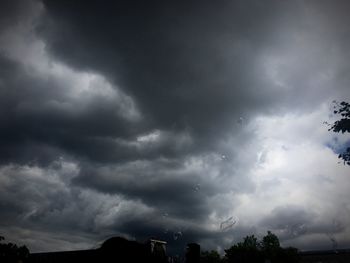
{"points": [[254, 251], [249, 250], [11, 253]]}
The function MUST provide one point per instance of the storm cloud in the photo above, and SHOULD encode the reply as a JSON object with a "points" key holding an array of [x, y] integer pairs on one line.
{"points": [[166, 118]]}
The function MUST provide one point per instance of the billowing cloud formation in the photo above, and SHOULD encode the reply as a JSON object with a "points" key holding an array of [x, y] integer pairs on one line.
{"points": [[166, 118]]}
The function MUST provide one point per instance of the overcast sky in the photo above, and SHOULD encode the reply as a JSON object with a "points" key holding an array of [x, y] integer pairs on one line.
{"points": [[168, 118]]}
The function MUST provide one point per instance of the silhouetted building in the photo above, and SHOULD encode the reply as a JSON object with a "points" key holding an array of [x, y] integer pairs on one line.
{"points": [[326, 256], [193, 252], [124, 250], [158, 250], [87, 256], [117, 249]]}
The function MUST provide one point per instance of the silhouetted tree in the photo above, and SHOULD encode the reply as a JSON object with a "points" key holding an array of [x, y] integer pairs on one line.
{"points": [[342, 125], [210, 257], [11, 253], [268, 250], [289, 255], [270, 246], [246, 251]]}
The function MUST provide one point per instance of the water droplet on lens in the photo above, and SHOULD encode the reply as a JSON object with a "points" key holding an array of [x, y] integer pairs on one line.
{"points": [[228, 223], [177, 235], [197, 187], [165, 214], [334, 243]]}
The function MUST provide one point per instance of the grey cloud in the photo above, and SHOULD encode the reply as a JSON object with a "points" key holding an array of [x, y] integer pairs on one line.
{"points": [[176, 62], [200, 65], [30, 124], [306, 227], [14, 12], [43, 200], [291, 220], [164, 185], [144, 98]]}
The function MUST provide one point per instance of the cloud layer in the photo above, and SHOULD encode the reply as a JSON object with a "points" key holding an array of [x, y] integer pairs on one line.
{"points": [[166, 118]]}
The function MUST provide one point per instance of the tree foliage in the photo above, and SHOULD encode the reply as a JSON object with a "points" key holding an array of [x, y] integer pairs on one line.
{"points": [[253, 251], [210, 257], [246, 251], [342, 109], [270, 241], [343, 125], [11, 253], [270, 245]]}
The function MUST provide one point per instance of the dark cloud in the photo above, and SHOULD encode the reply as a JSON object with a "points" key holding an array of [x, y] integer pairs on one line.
{"points": [[291, 220], [198, 66], [162, 185], [33, 120], [186, 65], [157, 117], [13, 12]]}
